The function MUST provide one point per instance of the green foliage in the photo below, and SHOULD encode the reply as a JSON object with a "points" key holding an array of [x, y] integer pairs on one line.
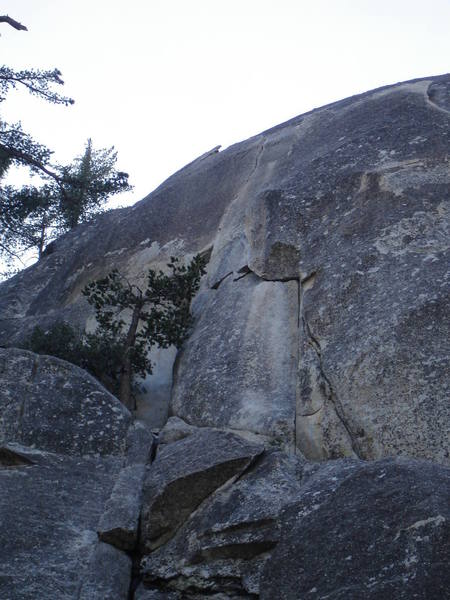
{"points": [[18, 212], [99, 355], [30, 217], [60, 340], [35, 81], [118, 349], [157, 316], [17, 146], [87, 183]]}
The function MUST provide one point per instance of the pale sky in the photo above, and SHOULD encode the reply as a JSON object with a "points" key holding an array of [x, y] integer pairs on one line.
{"points": [[166, 80]]}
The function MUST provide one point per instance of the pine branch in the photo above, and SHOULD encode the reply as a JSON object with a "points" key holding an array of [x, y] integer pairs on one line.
{"points": [[12, 22]]}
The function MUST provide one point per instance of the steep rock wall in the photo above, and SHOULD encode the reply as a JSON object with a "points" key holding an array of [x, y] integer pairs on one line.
{"points": [[322, 322]]}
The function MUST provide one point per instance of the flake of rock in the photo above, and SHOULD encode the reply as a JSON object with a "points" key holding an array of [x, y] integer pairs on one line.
{"points": [[140, 444], [224, 545], [120, 522], [184, 474]]}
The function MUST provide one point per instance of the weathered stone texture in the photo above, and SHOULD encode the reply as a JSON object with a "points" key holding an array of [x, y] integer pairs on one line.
{"points": [[380, 531], [49, 511], [223, 546], [56, 406], [184, 474]]}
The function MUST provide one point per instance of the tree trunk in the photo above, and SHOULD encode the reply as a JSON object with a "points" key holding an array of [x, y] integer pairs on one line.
{"points": [[125, 395], [41, 243]]}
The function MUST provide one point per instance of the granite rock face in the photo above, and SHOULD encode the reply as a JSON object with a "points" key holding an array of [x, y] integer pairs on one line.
{"points": [[65, 443], [322, 322], [379, 531], [307, 404]]}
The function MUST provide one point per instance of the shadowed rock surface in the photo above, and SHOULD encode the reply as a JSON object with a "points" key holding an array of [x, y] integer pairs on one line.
{"points": [[56, 406], [381, 531], [184, 474], [223, 546], [64, 440], [320, 342]]}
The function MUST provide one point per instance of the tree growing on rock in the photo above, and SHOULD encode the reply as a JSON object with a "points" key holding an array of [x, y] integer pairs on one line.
{"points": [[136, 319], [32, 216]]}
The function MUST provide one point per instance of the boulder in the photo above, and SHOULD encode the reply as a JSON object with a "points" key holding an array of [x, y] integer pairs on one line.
{"points": [[224, 545], [53, 405], [63, 441], [365, 530], [184, 474]]}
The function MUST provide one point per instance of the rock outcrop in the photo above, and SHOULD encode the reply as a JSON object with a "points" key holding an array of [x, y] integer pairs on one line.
{"points": [[308, 450], [322, 322], [65, 447], [53, 405]]}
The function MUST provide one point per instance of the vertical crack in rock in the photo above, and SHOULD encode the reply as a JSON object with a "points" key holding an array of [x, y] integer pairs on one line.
{"points": [[329, 392], [299, 309]]}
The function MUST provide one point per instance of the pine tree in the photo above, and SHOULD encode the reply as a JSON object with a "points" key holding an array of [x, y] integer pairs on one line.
{"points": [[157, 316]]}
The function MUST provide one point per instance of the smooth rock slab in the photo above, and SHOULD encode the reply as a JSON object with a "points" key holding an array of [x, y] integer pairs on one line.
{"points": [[184, 474], [371, 530], [238, 368], [54, 405]]}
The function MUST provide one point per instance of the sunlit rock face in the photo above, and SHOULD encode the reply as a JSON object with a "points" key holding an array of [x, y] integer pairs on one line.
{"points": [[322, 323]]}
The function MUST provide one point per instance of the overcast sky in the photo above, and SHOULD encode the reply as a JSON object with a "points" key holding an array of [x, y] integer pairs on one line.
{"points": [[166, 80]]}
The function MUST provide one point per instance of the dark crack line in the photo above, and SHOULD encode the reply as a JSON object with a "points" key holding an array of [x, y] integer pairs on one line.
{"points": [[243, 275], [331, 394], [217, 284], [311, 414], [247, 270]]}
